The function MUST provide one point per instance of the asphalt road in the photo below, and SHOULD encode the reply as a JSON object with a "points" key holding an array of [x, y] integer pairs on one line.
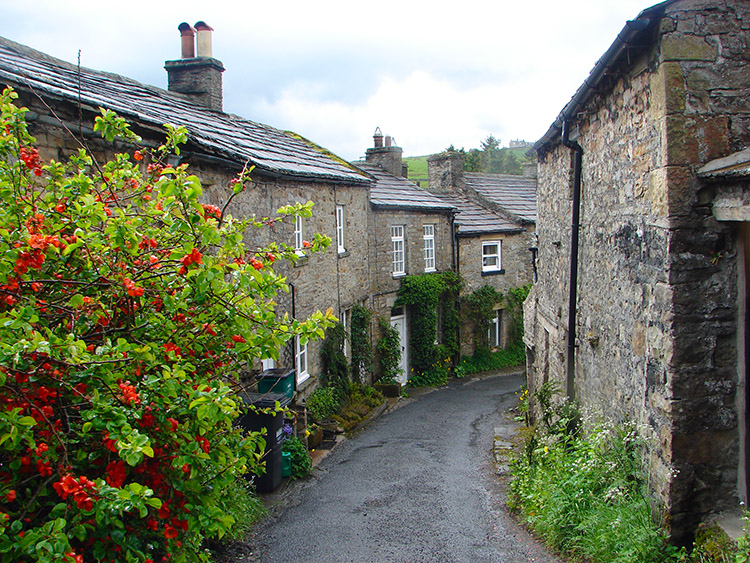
{"points": [[418, 484]]}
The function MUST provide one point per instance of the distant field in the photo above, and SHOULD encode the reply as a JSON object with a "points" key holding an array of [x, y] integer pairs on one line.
{"points": [[417, 168], [418, 164]]}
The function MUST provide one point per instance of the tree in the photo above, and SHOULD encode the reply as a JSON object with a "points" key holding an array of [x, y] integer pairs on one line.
{"points": [[126, 310]]}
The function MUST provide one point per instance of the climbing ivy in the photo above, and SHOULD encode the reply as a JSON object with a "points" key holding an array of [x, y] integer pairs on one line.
{"points": [[479, 309], [454, 284], [335, 366], [389, 353], [423, 294], [361, 366]]}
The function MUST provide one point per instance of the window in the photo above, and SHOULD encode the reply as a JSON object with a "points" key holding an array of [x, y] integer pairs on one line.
{"points": [[495, 333], [340, 228], [300, 360], [397, 241], [491, 256], [298, 234], [428, 234], [267, 363]]}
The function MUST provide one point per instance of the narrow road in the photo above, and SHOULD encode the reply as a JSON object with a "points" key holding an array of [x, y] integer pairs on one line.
{"points": [[418, 485]]}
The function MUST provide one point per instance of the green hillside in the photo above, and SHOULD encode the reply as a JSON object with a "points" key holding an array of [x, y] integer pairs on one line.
{"points": [[418, 164]]}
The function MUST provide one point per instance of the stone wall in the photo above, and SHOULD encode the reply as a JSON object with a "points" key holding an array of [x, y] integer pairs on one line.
{"points": [[516, 272], [656, 324], [384, 284]]}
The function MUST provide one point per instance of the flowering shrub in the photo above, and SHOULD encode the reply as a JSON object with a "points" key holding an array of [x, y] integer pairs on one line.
{"points": [[126, 308]]}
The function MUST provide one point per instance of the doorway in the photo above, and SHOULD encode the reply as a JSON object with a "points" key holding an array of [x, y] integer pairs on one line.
{"points": [[399, 323]]}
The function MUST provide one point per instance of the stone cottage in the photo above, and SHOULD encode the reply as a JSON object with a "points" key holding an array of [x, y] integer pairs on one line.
{"points": [[495, 232], [640, 307], [410, 232], [64, 100]]}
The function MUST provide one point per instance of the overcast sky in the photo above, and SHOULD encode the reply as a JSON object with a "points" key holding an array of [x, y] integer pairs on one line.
{"points": [[430, 74]]}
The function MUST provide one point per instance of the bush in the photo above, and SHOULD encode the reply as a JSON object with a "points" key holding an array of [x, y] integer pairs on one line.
{"points": [[583, 491], [487, 360], [322, 403], [300, 459], [126, 309]]}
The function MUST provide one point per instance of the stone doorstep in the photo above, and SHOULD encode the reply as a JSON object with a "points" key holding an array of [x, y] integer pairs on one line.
{"points": [[732, 524]]}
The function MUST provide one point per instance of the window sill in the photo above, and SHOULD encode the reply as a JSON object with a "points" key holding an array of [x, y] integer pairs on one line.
{"points": [[343, 253], [302, 378], [430, 271], [399, 276], [301, 261], [493, 272]]}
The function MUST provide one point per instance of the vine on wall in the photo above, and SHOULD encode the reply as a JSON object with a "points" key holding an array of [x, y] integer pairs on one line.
{"points": [[389, 353], [360, 338], [335, 365], [423, 294], [480, 309]]}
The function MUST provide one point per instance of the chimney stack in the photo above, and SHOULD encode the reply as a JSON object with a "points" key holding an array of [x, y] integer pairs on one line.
{"points": [[198, 77], [388, 157]]}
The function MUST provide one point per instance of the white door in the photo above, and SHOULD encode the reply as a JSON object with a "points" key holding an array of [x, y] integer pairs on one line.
{"points": [[399, 323]]}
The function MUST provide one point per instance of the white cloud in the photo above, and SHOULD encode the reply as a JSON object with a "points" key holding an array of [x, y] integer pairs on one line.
{"points": [[428, 73]]}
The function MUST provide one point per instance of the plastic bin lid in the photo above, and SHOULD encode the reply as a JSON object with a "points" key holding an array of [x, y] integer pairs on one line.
{"points": [[279, 373], [265, 400]]}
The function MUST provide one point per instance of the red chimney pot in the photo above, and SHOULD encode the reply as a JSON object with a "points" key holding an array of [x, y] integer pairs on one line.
{"points": [[187, 34]]}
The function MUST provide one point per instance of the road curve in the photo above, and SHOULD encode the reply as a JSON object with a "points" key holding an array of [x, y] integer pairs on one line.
{"points": [[418, 485]]}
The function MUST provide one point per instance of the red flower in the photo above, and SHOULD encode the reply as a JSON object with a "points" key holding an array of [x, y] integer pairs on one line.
{"points": [[138, 155], [170, 532], [306, 244], [238, 338], [195, 257], [116, 474], [10, 495], [257, 264]]}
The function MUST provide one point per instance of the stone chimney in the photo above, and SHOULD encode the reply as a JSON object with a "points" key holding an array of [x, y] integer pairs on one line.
{"points": [[446, 172], [196, 74], [388, 157]]}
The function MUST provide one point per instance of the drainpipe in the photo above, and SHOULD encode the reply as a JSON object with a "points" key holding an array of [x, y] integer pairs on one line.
{"points": [[574, 228]]}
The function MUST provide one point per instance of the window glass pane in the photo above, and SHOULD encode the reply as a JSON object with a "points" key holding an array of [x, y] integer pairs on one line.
{"points": [[340, 228], [298, 233]]}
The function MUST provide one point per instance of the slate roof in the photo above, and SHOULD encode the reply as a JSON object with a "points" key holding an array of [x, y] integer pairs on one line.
{"points": [[273, 151], [392, 192], [473, 219], [515, 194]]}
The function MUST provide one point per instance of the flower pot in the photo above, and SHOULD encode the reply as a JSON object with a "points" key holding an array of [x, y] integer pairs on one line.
{"points": [[315, 438], [389, 389]]}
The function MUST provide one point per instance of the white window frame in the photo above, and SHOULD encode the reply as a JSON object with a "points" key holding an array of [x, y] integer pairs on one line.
{"points": [[398, 247], [340, 229], [300, 360], [428, 235], [496, 325], [298, 234], [492, 261]]}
